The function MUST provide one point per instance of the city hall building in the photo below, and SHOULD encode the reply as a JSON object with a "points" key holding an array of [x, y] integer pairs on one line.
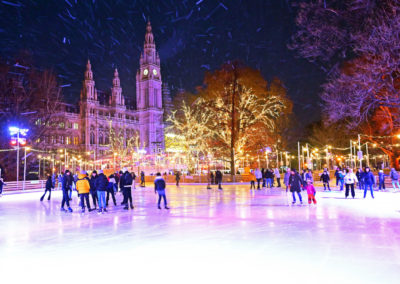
{"points": [[86, 127]]}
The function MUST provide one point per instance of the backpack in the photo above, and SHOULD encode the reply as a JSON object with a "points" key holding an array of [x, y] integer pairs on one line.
{"points": [[395, 175]]}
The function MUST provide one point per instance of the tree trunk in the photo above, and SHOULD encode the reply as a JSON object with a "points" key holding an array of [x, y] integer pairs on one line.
{"points": [[233, 121]]}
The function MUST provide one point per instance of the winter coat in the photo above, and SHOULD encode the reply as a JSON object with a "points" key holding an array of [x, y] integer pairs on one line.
{"points": [[325, 178], [101, 183], [252, 177], [394, 175], [218, 176], [258, 174], [159, 185], [49, 184], [350, 178], [381, 176], [67, 182], [269, 174], [295, 182], [286, 178], [277, 173], [369, 178], [177, 176], [82, 184], [92, 183], [126, 180], [310, 189]]}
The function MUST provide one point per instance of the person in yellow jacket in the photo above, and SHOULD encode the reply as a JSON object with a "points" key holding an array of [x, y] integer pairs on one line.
{"points": [[83, 188]]}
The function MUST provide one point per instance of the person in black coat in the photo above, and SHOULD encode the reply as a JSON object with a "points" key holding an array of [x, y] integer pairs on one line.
{"points": [[101, 188], [66, 186], [49, 186], [93, 191], [159, 187], [295, 185], [218, 179], [325, 179], [110, 190], [126, 186]]}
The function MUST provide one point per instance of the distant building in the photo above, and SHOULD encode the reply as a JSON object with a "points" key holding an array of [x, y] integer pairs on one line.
{"points": [[87, 127]]}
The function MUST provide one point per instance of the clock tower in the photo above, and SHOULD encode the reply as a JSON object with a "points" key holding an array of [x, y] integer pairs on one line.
{"points": [[149, 96]]}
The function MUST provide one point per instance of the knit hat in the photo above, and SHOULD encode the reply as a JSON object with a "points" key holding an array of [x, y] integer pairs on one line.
{"points": [[124, 170], [83, 172], [100, 171]]}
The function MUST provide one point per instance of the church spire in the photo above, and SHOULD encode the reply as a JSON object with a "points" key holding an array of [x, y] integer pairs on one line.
{"points": [[116, 81], [149, 38], [88, 72]]}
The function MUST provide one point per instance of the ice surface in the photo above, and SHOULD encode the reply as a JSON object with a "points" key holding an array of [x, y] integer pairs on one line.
{"points": [[234, 236]]}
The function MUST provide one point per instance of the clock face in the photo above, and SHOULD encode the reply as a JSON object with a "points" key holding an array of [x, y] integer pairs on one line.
{"points": [[145, 72], [155, 72]]}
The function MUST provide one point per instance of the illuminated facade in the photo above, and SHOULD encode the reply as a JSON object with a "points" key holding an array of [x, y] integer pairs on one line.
{"points": [[87, 127]]}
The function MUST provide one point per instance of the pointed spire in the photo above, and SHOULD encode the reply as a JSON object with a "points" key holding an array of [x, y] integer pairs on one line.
{"points": [[88, 73], [116, 82], [149, 38]]}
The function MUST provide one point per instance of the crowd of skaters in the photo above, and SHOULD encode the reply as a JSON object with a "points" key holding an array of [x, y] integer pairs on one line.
{"points": [[100, 188], [346, 179]]}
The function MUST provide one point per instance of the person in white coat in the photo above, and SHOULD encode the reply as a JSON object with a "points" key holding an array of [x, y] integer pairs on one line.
{"points": [[350, 179], [259, 177]]}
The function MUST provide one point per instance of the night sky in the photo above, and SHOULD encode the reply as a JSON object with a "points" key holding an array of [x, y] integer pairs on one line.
{"points": [[191, 36]]}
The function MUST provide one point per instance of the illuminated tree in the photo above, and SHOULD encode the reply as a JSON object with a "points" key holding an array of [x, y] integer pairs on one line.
{"points": [[244, 112], [122, 144], [190, 132], [235, 112]]}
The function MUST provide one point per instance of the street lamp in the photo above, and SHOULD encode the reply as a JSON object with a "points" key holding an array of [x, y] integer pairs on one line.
{"points": [[17, 141], [26, 149]]}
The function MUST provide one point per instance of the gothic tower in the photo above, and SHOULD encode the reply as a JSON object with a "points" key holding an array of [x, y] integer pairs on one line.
{"points": [[116, 98], [88, 103], [149, 96]]}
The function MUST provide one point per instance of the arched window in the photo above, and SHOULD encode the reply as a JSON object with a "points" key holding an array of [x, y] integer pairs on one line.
{"points": [[101, 139], [92, 138], [107, 140]]}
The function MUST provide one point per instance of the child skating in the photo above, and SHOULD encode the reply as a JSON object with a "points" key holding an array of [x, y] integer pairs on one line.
{"points": [[311, 192]]}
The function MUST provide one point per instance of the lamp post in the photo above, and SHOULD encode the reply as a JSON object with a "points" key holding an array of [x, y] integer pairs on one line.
{"points": [[17, 141], [39, 156], [23, 185]]}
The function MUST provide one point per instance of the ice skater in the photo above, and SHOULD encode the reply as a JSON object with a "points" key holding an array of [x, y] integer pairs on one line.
{"points": [[394, 175], [66, 186], [295, 184], [286, 179], [381, 178], [311, 192], [101, 187], [252, 180], [126, 186], [159, 187], [218, 179], [111, 189], [83, 188], [325, 178], [369, 182], [177, 177], [49, 186], [350, 180], [93, 191]]}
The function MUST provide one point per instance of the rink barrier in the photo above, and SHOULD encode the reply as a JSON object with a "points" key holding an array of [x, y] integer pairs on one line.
{"points": [[29, 185]]}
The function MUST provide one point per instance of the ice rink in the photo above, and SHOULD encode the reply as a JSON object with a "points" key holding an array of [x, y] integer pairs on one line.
{"points": [[233, 236]]}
